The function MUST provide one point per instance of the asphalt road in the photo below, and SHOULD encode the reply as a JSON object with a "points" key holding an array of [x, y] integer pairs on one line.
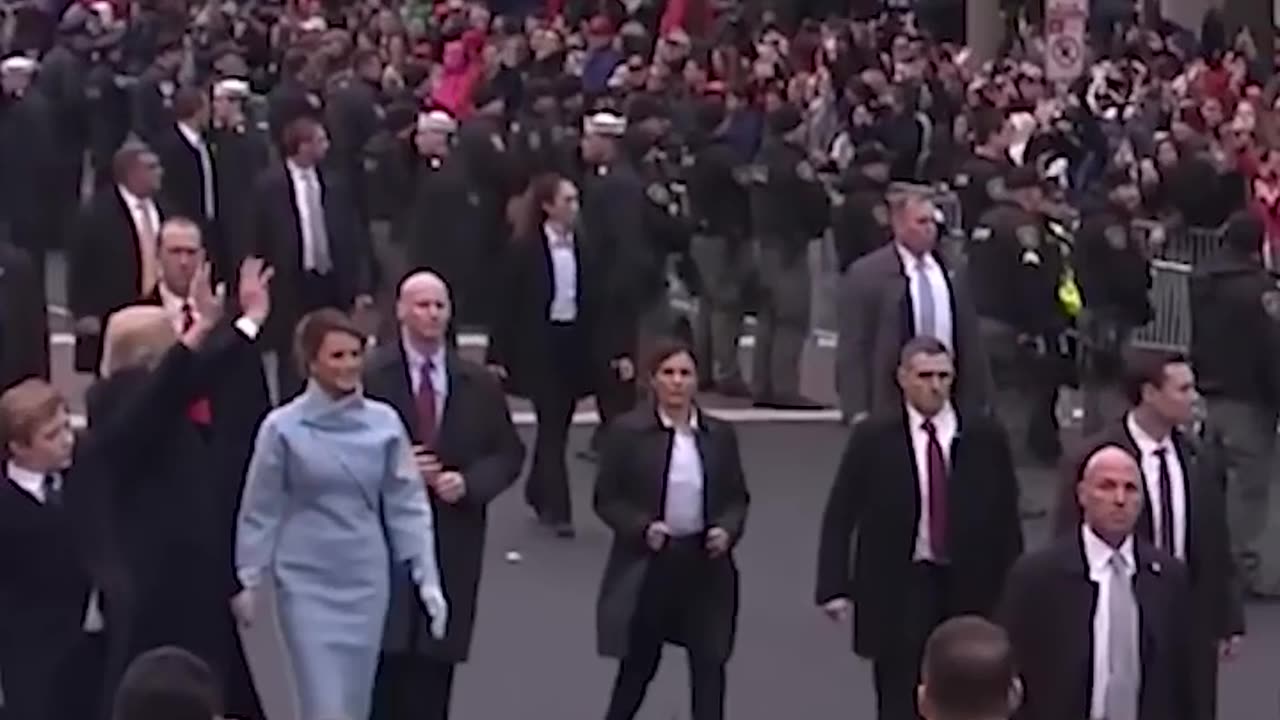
{"points": [[534, 653]]}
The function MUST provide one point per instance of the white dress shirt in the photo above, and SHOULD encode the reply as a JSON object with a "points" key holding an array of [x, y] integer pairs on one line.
{"points": [[198, 144], [945, 426], [32, 483], [141, 211], [439, 373], [145, 217], [173, 307], [933, 272], [303, 178], [1150, 465], [564, 275], [683, 510], [1097, 555]]}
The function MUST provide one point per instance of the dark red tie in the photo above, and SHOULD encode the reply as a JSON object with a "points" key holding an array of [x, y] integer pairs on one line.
{"points": [[200, 412], [937, 493], [426, 402]]}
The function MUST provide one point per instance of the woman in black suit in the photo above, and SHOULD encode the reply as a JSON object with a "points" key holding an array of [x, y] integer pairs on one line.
{"points": [[671, 488], [544, 336]]}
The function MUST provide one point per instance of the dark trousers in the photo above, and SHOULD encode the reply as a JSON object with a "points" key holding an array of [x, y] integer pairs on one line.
{"points": [[66, 687], [547, 488], [412, 687], [1205, 676], [670, 607], [896, 669]]}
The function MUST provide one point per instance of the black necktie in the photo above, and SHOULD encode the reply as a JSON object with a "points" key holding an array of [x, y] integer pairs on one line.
{"points": [[52, 491], [1166, 502]]}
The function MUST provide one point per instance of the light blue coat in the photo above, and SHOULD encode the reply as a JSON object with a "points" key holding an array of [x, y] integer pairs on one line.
{"points": [[331, 484]]}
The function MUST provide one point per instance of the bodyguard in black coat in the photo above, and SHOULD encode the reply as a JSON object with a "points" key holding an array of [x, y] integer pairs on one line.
{"points": [[1051, 598], [904, 583], [278, 237], [107, 267], [24, 325], [671, 489], [1165, 385], [472, 436], [550, 338]]}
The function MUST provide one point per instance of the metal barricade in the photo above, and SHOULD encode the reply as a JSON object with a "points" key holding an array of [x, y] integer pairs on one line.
{"points": [[1170, 329], [1188, 245]]}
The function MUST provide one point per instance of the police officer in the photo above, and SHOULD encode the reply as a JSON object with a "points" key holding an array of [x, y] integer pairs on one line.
{"points": [[1017, 264], [242, 151], [614, 207], [860, 222], [720, 206], [1235, 348], [980, 180], [353, 114], [437, 229], [789, 209], [1114, 277]]}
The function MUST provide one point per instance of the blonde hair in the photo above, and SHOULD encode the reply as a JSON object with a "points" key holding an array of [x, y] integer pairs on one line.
{"points": [[25, 407], [136, 336]]}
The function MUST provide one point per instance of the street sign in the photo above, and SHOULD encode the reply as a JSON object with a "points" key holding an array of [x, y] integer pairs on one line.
{"points": [[1065, 39]]}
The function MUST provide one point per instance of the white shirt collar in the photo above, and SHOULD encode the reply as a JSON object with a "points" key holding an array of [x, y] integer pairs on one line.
{"points": [[29, 481], [668, 423], [297, 170], [1098, 554], [415, 358], [556, 237], [191, 135], [910, 260], [944, 417], [133, 202], [170, 298], [1146, 444]]}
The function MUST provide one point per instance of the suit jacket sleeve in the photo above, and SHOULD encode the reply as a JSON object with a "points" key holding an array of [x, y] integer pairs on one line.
{"points": [[841, 516], [406, 512], [854, 316], [1002, 469], [733, 517], [628, 521], [82, 285], [498, 466], [1212, 493]]}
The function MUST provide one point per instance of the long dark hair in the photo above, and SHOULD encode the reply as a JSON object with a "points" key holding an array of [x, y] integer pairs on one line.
{"points": [[530, 214]]}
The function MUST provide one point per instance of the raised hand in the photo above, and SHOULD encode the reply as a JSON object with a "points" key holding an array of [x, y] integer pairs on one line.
{"points": [[209, 304], [255, 289]]}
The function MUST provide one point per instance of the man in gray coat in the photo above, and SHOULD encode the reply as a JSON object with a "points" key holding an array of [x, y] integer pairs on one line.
{"points": [[902, 290]]}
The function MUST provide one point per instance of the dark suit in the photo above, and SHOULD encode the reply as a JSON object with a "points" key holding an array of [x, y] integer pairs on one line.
{"points": [[105, 269], [476, 438], [552, 364], [44, 591], [277, 237], [183, 191], [24, 325], [876, 320], [174, 491], [678, 594], [897, 600], [1217, 605], [152, 105], [1048, 608]]}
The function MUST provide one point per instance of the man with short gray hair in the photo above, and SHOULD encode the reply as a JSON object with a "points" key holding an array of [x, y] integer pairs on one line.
{"points": [[902, 290]]}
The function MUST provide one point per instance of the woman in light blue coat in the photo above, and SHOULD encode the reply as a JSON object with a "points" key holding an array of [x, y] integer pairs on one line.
{"points": [[331, 485]]}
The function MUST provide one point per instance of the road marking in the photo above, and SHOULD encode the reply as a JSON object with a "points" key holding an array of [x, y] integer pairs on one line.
{"points": [[479, 341], [525, 418]]}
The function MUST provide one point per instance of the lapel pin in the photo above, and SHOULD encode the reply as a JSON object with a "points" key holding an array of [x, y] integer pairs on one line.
{"points": [[1155, 567]]}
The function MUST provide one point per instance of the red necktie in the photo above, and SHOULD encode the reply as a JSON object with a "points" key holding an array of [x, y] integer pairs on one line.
{"points": [[426, 405], [937, 493], [200, 412]]}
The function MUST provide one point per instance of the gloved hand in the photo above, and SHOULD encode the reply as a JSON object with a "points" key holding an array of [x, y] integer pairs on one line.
{"points": [[432, 596]]}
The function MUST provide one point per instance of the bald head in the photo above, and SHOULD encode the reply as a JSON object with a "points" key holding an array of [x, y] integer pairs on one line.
{"points": [[1110, 493], [423, 308]]}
